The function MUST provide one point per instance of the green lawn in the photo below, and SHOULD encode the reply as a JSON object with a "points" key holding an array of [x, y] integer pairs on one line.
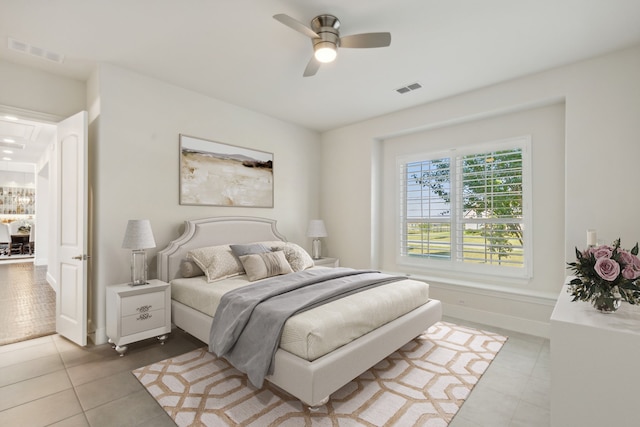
{"points": [[436, 244]]}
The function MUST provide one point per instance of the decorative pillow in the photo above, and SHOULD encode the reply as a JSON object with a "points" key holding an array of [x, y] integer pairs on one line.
{"points": [[189, 268], [274, 245], [297, 257], [253, 248], [267, 264], [217, 262]]}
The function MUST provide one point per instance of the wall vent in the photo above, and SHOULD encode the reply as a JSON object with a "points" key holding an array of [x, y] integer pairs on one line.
{"points": [[39, 52], [409, 88]]}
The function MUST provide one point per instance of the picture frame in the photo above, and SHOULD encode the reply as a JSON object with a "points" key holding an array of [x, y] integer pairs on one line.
{"points": [[217, 174]]}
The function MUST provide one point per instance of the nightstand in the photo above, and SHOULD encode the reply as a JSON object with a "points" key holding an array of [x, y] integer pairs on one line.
{"points": [[135, 313], [327, 262]]}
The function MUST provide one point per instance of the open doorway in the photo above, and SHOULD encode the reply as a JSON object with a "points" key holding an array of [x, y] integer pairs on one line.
{"points": [[26, 148], [27, 299], [66, 215]]}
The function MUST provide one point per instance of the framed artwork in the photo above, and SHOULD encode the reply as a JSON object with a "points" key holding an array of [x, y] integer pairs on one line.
{"points": [[217, 174]]}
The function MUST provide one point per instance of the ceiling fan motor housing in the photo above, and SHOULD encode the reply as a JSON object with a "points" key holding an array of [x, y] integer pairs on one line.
{"points": [[327, 29]]}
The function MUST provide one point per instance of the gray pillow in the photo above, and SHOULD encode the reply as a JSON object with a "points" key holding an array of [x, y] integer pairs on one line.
{"points": [[253, 248]]}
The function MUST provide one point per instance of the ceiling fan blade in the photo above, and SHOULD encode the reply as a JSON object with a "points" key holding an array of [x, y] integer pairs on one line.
{"points": [[312, 67], [296, 25], [366, 40]]}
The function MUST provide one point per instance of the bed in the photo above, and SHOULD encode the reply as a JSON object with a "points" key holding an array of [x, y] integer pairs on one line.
{"points": [[311, 381]]}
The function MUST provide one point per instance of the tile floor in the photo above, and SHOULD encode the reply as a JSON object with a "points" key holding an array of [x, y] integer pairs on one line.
{"points": [[50, 381]]}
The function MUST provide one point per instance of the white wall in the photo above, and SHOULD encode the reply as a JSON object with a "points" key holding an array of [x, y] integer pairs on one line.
{"points": [[34, 90], [20, 175], [135, 127], [42, 225], [602, 106]]}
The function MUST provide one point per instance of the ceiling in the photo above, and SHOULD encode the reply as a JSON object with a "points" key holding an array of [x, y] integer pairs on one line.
{"points": [[22, 141], [236, 52]]}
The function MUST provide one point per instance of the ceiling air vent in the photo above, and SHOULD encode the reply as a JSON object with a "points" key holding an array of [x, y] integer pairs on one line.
{"points": [[39, 52], [408, 88]]}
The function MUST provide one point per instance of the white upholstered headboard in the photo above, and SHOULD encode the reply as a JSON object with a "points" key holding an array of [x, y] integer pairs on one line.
{"points": [[214, 231]]}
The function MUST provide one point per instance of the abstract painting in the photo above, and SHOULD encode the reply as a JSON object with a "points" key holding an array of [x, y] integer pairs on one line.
{"points": [[217, 174]]}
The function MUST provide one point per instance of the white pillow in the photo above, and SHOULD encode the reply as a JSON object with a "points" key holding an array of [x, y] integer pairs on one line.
{"points": [[266, 264], [297, 257], [189, 268], [217, 262]]}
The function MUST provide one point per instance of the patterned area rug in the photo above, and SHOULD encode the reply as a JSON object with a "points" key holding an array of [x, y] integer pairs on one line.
{"points": [[423, 383]]}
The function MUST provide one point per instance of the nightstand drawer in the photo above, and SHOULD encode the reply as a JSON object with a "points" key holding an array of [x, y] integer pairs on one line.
{"points": [[142, 322], [143, 303]]}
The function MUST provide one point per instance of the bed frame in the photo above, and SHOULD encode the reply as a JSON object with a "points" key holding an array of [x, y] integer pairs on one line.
{"points": [[311, 382]]}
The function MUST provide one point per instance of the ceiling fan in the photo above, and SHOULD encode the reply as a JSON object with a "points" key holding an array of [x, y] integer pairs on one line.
{"points": [[325, 37]]}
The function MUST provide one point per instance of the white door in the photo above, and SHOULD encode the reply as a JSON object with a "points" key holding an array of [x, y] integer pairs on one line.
{"points": [[71, 228]]}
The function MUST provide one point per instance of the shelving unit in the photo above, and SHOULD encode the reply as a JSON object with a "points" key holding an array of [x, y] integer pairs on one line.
{"points": [[17, 201]]}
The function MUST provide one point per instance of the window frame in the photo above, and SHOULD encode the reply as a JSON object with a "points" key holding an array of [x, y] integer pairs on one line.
{"points": [[454, 264]]}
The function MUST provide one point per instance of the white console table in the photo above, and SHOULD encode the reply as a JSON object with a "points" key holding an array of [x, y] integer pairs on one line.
{"points": [[595, 360]]}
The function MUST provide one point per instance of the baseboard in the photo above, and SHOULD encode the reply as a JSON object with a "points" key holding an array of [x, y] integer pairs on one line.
{"points": [[53, 282], [517, 324], [99, 336], [515, 309]]}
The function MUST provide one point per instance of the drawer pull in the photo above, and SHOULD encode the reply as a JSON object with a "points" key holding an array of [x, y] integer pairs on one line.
{"points": [[144, 308], [144, 316]]}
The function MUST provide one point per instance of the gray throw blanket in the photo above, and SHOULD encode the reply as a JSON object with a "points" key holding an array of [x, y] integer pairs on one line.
{"points": [[248, 323]]}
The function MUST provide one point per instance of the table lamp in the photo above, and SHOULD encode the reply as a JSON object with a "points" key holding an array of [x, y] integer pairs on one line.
{"points": [[138, 237], [316, 230]]}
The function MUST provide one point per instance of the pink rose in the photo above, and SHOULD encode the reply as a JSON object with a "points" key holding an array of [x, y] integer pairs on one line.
{"points": [[626, 257], [603, 251], [607, 268], [630, 273], [635, 264]]}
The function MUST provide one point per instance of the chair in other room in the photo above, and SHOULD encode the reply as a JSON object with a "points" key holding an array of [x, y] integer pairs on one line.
{"points": [[8, 247], [14, 227], [31, 246]]}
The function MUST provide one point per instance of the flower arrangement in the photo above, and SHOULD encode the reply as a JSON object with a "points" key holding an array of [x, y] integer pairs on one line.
{"points": [[605, 275]]}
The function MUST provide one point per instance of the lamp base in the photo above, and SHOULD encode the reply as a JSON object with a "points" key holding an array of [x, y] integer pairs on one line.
{"points": [[138, 284], [138, 267], [316, 249]]}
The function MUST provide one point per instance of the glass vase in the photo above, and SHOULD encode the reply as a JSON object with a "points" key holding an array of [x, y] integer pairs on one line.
{"points": [[607, 303]]}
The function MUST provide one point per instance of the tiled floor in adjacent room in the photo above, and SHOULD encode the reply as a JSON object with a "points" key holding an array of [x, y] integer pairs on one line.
{"points": [[50, 381]]}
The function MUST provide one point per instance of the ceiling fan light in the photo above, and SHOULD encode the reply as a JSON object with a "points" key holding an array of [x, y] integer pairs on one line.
{"points": [[325, 52]]}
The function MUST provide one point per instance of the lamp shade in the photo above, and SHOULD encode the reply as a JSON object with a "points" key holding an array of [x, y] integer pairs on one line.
{"points": [[138, 235], [316, 228]]}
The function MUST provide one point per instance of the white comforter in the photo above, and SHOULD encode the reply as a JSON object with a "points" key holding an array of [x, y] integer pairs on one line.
{"points": [[316, 332]]}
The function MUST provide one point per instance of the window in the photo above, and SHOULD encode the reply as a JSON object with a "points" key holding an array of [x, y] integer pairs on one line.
{"points": [[467, 209]]}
